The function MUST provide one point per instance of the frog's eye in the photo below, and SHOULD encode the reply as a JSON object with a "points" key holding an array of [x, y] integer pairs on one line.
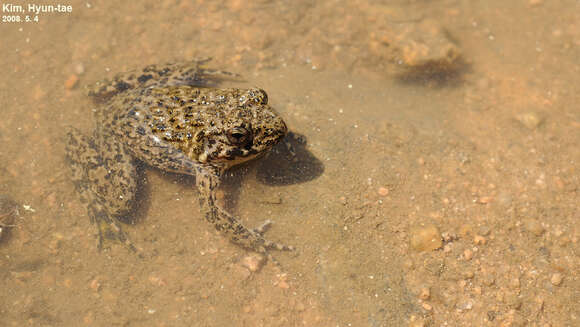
{"points": [[239, 136], [261, 97]]}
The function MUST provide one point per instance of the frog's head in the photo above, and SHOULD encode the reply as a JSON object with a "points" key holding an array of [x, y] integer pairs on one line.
{"points": [[248, 129]]}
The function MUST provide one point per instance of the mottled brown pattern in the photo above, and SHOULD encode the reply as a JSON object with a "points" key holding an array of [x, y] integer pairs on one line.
{"points": [[163, 117]]}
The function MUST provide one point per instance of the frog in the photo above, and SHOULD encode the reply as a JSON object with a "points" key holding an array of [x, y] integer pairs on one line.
{"points": [[175, 118]]}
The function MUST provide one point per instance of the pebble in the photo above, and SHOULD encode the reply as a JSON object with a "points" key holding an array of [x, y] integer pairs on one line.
{"points": [[467, 254], [530, 119], [71, 82], [425, 238], [89, 318], [383, 191], [479, 240], [415, 321], [449, 236], [488, 280], [533, 226], [485, 199], [465, 230], [556, 279], [282, 283], [253, 262], [515, 283], [484, 230], [425, 293], [95, 285], [464, 306]]}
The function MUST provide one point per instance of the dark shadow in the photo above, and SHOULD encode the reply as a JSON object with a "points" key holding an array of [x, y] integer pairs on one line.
{"points": [[9, 215], [141, 204], [435, 75], [289, 163]]}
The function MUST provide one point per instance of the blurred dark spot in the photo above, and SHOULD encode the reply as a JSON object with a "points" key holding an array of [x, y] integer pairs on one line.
{"points": [[289, 163]]}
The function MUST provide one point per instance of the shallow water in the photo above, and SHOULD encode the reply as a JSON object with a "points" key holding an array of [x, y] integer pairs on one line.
{"points": [[481, 149]]}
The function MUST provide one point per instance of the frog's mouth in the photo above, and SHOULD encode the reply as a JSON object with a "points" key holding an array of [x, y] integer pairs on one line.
{"points": [[238, 156], [230, 157]]}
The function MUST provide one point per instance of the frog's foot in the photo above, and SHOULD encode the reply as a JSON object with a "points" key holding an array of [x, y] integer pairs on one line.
{"points": [[263, 227], [268, 245], [110, 229]]}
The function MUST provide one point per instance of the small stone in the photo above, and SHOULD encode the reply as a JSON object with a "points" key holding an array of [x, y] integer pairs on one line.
{"points": [[415, 321], [425, 238], [488, 280], [556, 279], [253, 262], [530, 120], [425, 293], [427, 306], [465, 230], [448, 236], [89, 318], [95, 285], [467, 254], [484, 230], [464, 306], [515, 283], [71, 82], [284, 285], [533, 226], [383, 191], [485, 199], [342, 200], [479, 240]]}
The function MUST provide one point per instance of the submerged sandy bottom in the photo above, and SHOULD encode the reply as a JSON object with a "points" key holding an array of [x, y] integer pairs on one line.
{"points": [[414, 199]]}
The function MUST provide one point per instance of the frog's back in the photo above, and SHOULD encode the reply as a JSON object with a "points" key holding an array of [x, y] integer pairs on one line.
{"points": [[198, 124]]}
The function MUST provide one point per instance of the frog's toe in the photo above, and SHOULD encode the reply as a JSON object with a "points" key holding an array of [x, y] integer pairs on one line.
{"points": [[263, 227], [110, 230], [277, 246], [268, 245]]}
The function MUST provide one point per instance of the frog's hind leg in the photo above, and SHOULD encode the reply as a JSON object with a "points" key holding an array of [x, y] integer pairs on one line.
{"points": [[94, 178], [193, 73]]}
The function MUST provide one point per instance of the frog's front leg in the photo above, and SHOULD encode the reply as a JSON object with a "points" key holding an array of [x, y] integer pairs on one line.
{"points": [[208, 180]]}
